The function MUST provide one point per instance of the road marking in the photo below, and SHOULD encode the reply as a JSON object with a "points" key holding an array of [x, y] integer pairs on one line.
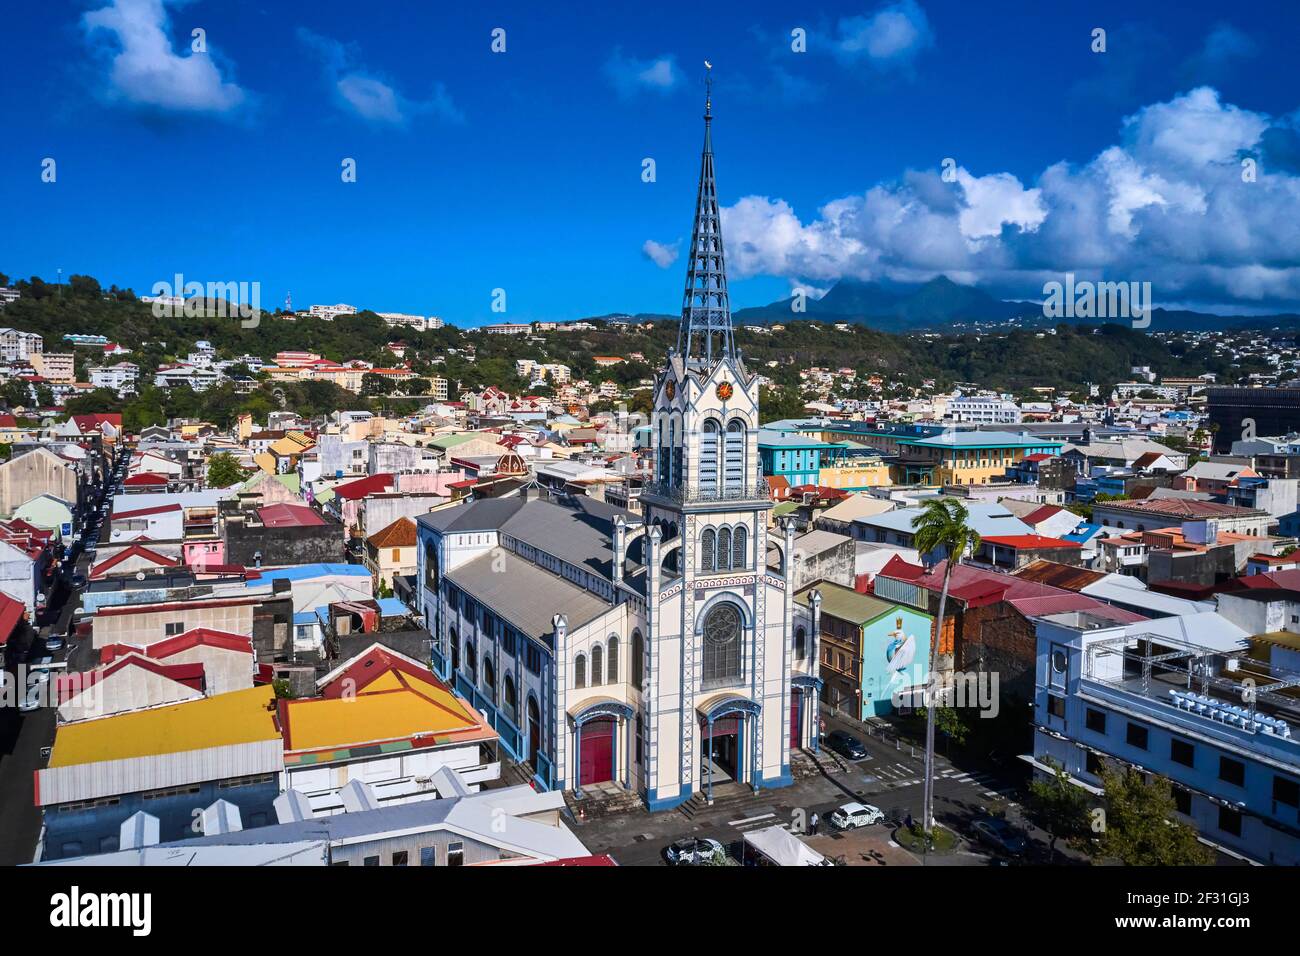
{"points": [[743, 820]]}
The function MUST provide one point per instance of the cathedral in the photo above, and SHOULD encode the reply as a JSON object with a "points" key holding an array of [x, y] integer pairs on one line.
{"points": [[659, 652]]}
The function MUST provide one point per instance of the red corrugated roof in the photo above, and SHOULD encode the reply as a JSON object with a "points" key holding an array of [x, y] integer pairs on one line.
{"points": [[364, 487], [11, 612], [1030, 542], [1042, 514], [134, 551], [289, 516], [141, 512]]}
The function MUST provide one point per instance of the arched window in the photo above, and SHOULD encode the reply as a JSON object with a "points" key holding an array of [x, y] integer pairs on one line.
{"points": [[734, 457], [675, 453], [613, 660], [597, 666], [664, 453], [722, 645], [489, 678], [739, 556], [455, 650], [509, 700], [471, 661], [708, 549], [709, 457], [638, 660], [580, 671], [724, 549], [800, 643]]}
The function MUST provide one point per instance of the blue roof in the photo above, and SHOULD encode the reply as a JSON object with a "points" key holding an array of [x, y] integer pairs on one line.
{"points": [[988, 520], [1082, 533], [770, 439], [303, 572], [304, 617], [393, 607], [969, 439]]}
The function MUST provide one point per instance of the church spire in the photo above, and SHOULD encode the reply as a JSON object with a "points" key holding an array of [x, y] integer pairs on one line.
{"points": [[705, 331]]}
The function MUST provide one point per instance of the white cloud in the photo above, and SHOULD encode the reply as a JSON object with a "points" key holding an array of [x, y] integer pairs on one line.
{"points": [[661, 254], [631, 76], [146, 71], [893, 35], [371, 97], [1167, 205]]}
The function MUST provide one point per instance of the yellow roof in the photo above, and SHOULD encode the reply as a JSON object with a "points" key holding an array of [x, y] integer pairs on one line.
{"points": [[291, 444], [237, 717], [265, 461], [394, 706]]}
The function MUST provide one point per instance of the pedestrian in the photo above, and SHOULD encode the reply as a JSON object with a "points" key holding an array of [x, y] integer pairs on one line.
{"points": [[814, 822]]}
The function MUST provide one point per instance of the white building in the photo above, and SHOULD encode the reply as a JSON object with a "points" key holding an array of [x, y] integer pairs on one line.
{"points": [[196, 377], [121, 378], [396, 319], [656, 652], [1187, 698], [329, 313], [984, 410], [18, 346]]}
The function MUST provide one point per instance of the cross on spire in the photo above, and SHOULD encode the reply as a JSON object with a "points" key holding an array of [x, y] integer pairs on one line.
{"points": [[706, 309]]}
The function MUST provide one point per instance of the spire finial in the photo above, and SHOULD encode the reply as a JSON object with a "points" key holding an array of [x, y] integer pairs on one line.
{"points": [[705, 332], [708, 91]]}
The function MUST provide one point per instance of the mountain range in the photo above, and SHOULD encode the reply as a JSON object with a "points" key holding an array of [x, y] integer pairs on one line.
{"points": [[940, 304]]}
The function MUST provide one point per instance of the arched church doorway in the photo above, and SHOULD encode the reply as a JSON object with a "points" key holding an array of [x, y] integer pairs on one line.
{"points": [[597, 751]]}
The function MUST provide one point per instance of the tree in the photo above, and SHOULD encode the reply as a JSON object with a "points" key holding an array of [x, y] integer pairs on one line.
{"points": [[223, 470], [942, 525], [1139, 829], [1060, 808]]}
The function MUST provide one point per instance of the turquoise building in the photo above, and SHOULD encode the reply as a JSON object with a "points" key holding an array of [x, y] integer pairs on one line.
{"points": [[796, 458], [875, 654]]}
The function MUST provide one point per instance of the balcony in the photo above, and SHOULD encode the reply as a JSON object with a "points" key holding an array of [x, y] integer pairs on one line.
{"points": [[683, 495]]}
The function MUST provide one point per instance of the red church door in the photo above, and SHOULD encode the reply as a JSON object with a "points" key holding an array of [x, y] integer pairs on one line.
{"points": [[795, 698], [597, 752]]}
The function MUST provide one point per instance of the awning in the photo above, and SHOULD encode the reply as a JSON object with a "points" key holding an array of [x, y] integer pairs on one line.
{"points": [[596, 708], [782, 847], [719, 705]]}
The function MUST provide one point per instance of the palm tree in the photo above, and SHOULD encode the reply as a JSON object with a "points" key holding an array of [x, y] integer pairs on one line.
{"points": [[941, 525]]}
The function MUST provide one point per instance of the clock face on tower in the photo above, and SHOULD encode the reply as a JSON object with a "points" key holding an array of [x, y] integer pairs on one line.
{"points": [[724, 390]]}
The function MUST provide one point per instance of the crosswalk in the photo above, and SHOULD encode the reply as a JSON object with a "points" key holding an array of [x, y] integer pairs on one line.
{"points": [[758, 822], [985, 783], [899, 775], [895, 776]]}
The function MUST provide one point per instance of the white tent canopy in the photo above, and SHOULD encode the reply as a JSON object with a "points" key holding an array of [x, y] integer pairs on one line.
{"points": [[782, 847]]}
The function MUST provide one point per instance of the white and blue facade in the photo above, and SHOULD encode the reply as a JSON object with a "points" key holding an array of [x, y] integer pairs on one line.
{"points": [[1187, 712]]}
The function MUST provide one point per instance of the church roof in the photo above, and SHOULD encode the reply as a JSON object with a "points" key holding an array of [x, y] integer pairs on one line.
{"points": [[524, 595]]}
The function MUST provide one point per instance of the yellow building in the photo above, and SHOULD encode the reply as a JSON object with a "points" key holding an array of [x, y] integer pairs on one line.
{"points": [[965, 457]]}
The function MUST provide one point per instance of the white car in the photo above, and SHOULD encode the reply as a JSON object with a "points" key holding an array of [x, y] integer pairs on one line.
{"points": [[854, 815]]}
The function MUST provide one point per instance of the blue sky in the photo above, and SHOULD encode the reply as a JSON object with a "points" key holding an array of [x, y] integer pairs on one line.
{"points": [[522, 170]]}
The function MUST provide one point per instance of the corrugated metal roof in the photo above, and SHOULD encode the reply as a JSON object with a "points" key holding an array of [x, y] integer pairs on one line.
{"points": [[525, 595], [847, 604]]}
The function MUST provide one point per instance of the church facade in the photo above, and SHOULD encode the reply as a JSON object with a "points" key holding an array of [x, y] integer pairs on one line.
{"points": [[661, 652]]}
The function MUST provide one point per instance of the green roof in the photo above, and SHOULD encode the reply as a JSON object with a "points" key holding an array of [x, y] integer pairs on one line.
{"points": [[460, 438], [847, 604]]}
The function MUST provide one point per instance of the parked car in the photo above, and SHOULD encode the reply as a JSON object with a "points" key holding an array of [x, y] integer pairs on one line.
{"points": [[32, 701], [54, 642], [853, 815], [692, 852], [846, 745], [995, 832]]}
